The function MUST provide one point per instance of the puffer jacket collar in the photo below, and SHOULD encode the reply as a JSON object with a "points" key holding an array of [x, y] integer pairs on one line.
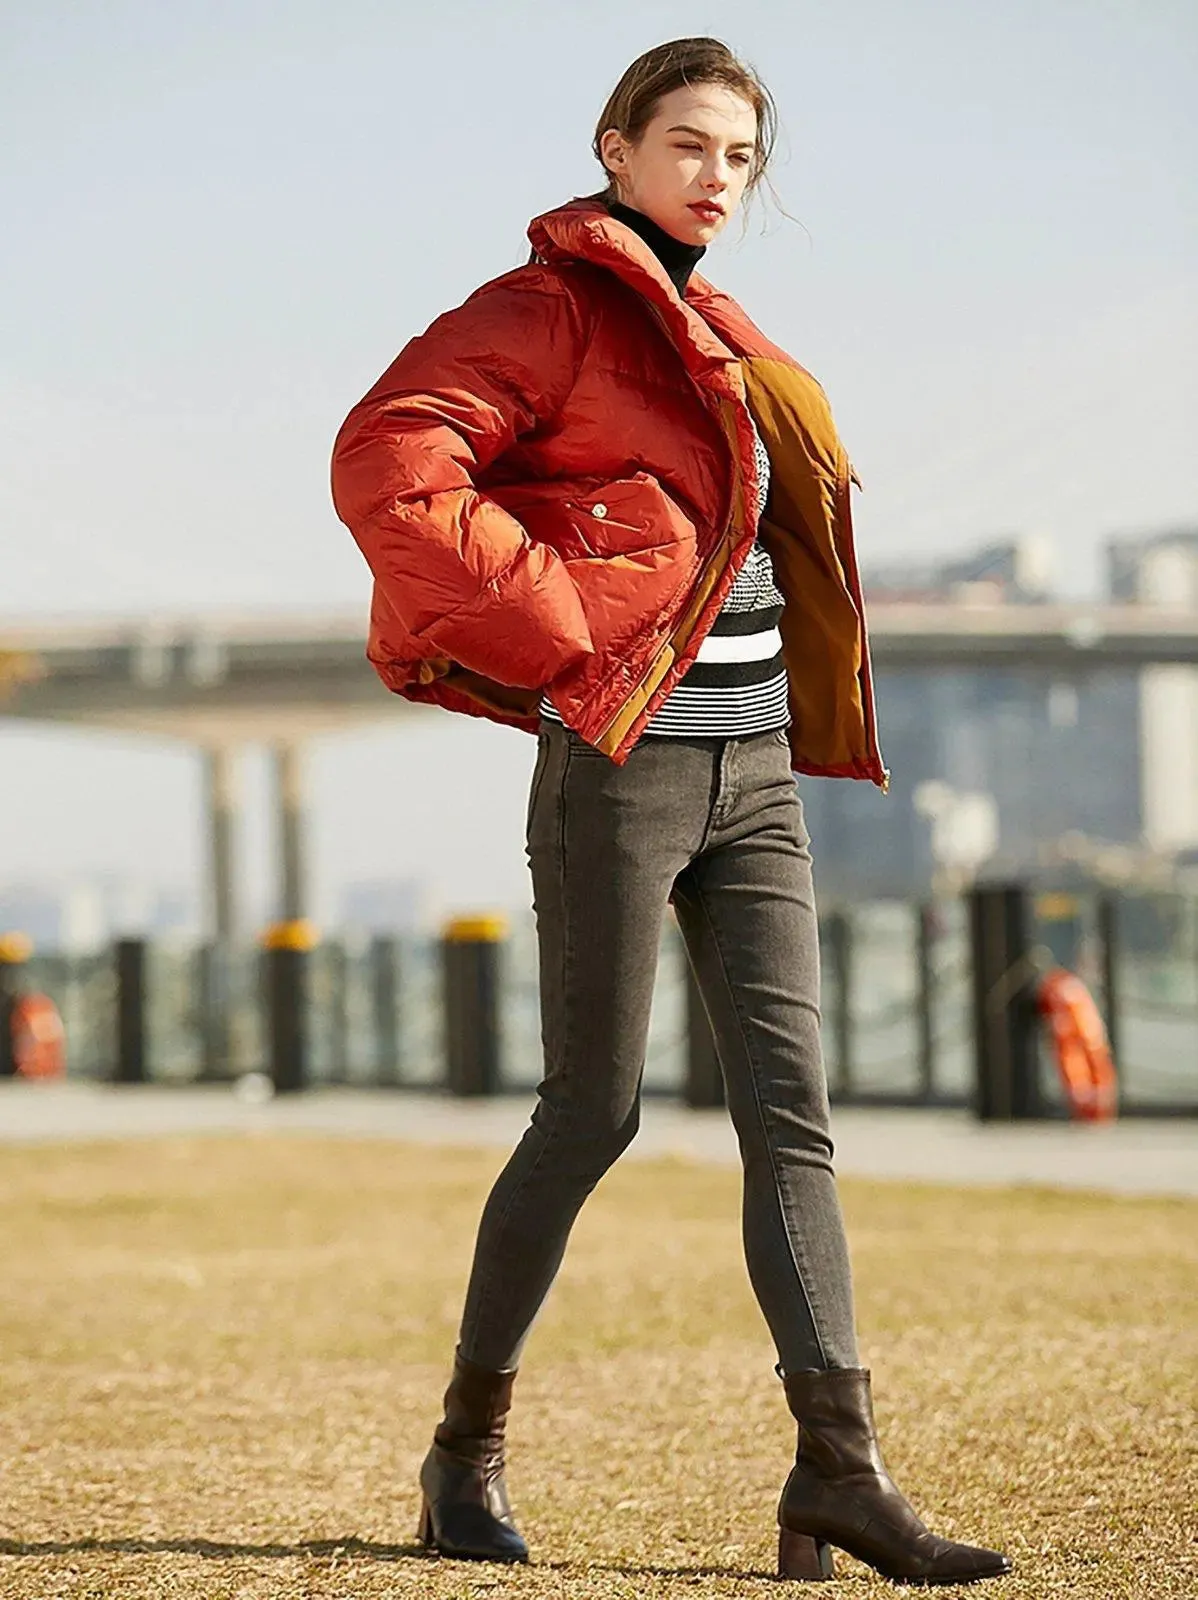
{"points": [[584, 230]]}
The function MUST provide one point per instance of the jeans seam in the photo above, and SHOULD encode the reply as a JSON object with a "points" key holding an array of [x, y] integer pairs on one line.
{"points": [[538, 777], [769, 1145]]}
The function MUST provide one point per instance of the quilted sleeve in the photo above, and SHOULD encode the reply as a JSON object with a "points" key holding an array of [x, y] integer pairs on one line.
{"points": [[460, 572]]}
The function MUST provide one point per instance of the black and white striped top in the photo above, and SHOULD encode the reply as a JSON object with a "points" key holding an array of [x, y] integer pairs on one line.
{"points": [[736, 684]]}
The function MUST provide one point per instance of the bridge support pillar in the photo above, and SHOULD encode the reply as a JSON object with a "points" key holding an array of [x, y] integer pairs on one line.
{"points": [[221, 795], [220, 783], [289, 789]]}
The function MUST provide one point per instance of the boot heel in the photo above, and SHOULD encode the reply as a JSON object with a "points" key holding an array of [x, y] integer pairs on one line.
{"points": [[424, 1531], [802, 1556]]}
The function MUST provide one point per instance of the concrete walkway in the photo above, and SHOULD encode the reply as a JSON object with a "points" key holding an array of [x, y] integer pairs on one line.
{"points": [[1138, 1156]]}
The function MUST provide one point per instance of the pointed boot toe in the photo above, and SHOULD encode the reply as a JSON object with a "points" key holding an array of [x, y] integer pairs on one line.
{"points": [[964, 1563], [938, 1561]]}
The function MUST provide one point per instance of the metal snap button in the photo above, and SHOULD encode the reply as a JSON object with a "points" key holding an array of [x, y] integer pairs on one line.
{"points": [[599, 510]]}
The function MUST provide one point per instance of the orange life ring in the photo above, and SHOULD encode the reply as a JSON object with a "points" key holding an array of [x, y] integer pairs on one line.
{"points": [[38, 1037], [1079, 1040]]}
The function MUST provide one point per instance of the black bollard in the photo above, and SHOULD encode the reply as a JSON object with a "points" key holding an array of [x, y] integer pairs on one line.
{"points": [[1006, 1062], [471, 954], [130, 959], [287, 948]]}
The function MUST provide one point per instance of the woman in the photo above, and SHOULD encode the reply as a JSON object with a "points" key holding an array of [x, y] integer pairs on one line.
{"points": [[601, 506]]}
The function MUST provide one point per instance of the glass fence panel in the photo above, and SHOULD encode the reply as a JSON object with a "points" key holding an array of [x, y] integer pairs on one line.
{"points": [[83, 987], [326, 1013], [379, 977], [876, 980], [174, 1033], [951, 1000], [885, 995], [421, 1011], [367, 989], [1158, 999], [247, 1044]]}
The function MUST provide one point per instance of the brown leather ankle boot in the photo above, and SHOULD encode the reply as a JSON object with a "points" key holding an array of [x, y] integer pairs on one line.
{"points": [[466, 1511], [839, 1493]]}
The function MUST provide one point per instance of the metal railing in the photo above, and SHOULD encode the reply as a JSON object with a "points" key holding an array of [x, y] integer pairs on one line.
{"points": [[897, 1017]]}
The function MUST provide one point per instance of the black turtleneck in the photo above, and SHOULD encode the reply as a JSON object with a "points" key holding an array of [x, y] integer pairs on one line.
{"points": [[678, 259]]}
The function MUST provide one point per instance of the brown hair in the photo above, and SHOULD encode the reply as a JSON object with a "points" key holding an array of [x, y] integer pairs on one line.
{"points": [[633, 102]]}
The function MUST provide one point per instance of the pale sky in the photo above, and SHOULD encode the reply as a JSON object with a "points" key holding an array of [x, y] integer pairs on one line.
{"points": [[222, 219]]}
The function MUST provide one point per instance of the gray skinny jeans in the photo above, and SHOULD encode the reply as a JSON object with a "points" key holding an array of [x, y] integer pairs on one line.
{"points": [[715, 825]]}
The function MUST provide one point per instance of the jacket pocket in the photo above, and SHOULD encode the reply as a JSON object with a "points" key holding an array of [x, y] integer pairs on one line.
{"points": [[627, 515]]}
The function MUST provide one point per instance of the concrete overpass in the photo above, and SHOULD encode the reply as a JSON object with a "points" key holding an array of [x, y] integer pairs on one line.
{"points": [[220, 682]]}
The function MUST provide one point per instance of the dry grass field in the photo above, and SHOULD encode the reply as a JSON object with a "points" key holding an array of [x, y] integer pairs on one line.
{"points": [[223, 1358]]}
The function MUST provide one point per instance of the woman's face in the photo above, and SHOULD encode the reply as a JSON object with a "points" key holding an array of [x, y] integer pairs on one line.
{"points": [[689, 168]]}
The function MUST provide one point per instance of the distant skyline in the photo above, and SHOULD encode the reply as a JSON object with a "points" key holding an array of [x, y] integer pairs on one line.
{"points": [[222, 221]]}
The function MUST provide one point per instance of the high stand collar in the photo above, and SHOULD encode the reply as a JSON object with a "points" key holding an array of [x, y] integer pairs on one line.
{"points": [[678, 259]]}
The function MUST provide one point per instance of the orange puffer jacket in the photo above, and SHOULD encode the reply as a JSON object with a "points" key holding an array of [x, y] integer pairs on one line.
{"points": [[552, 486]]}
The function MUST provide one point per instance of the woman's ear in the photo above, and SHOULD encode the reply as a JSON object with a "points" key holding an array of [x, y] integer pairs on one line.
{"points": [[613, 149]]}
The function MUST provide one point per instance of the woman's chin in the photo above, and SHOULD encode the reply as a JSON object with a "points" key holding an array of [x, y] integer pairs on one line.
{"points": [[692, 230]]}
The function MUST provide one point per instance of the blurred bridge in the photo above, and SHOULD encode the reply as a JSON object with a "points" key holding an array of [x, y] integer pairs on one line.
{"points": [[219, 682], [221, 679]]}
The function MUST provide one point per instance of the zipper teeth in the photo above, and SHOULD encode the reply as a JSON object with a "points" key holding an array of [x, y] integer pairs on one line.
{"points": [[735, 500], [660, 651]]}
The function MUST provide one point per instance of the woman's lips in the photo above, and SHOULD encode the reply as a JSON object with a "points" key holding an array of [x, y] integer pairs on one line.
{"points": [[705, 210]]}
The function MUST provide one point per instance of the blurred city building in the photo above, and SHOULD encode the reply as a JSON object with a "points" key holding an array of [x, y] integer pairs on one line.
{"points": [[1013, 571], [1098, 771], [387, 905], [83, 915], [1162, 569]]}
